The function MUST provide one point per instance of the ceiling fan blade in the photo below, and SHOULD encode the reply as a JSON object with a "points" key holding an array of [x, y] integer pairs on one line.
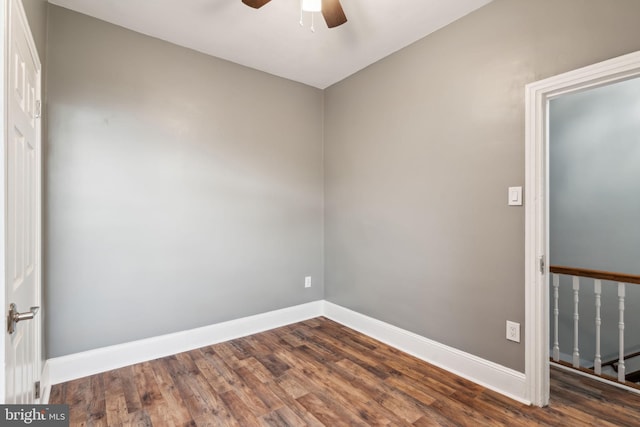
{"points": [[333, 13], [256, 4]]}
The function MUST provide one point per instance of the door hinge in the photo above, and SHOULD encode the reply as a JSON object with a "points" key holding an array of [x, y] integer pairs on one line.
{"points": [[541, 259], [37, 389], [38, 107]]}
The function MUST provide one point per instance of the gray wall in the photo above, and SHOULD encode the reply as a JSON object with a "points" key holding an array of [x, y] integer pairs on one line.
{"points": [[183, 190], [419, 151], [595, 205]]}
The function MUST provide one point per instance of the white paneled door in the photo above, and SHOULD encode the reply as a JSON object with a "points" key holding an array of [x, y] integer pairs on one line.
{"points": [[22, 210]]}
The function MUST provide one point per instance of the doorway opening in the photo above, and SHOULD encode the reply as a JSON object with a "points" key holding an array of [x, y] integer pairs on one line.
{"points": [[594, 183], [537, 305]]}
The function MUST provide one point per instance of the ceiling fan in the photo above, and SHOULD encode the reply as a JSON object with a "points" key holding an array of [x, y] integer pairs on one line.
{"points": [[331, 10]]}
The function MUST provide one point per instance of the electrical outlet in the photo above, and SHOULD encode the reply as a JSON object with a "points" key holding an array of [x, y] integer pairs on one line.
{"points": [[513, 331], [307, 282]]}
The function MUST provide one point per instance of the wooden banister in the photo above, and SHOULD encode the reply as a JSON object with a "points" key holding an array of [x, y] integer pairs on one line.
{"points": [[595, 274]]}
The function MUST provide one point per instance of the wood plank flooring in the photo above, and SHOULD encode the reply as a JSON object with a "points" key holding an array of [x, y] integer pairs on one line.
{"points": [[319, 373]]}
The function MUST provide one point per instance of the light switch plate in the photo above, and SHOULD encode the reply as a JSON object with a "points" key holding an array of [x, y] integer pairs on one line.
{"points": [[515, 196]]}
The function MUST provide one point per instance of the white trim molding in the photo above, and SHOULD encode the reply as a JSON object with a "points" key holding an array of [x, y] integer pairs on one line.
{"points": [[45, 384], [488, 374], [78, 365], [538, 95]]}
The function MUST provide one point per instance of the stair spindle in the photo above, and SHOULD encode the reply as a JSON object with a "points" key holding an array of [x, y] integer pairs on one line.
{"points": [[621, 367], [576, 317], [556, 313], [597, 364]]}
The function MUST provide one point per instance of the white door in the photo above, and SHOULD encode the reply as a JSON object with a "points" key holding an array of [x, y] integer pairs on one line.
{"points": [[22, 208]]}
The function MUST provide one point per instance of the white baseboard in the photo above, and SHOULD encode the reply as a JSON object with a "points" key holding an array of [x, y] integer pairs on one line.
{"points": [[491, 375], [488, 374], [78, 365]]}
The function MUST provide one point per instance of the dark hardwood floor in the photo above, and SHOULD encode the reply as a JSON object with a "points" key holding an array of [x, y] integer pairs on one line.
{"points": [[319, 373]]}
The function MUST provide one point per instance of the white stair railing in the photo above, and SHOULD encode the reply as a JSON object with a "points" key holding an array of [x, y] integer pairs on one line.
{"points": [[598, 276]]}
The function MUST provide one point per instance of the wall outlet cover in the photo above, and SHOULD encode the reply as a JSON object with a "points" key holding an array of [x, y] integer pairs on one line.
{"points": [[513, 331]]}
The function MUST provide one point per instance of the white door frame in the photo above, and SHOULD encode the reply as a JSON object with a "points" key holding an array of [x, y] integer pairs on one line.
{"points": [[3, 133], [538, 95]]}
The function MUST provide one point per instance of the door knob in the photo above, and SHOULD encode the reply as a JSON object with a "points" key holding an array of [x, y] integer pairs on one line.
{"points": [[15, 316]]}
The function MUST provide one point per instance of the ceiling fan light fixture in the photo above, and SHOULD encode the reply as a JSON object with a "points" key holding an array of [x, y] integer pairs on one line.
{"points": [[312, 5]]}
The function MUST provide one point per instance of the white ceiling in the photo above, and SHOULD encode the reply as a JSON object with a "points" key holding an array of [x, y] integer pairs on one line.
{"points": [[270, 39]]}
